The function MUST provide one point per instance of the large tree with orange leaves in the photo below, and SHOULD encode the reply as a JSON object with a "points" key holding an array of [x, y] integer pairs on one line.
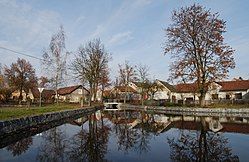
{"points": [[196, 44]]}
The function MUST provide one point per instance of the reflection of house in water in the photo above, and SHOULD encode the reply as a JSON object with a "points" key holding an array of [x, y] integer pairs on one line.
{"points": [[223, 124], [121, 117], [159, 123]]}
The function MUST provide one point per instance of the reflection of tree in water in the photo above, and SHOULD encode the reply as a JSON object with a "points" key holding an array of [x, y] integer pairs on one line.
{"points": [[143, 142], [91, 144], [20, 147], [53, 147], [127, 138], [137, 139], [201, 146]]}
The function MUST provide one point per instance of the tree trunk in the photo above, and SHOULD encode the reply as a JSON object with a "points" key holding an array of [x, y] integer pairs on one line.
{"points": [[20, 95], [125, 93], [82, 96], [142, 98], [202, 99]]}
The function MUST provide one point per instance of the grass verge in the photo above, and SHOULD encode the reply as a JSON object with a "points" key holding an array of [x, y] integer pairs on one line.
{"points": [[16, 112]]}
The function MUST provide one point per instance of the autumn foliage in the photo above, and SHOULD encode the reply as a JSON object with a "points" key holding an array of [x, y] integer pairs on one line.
{"points": [[196, 44]]}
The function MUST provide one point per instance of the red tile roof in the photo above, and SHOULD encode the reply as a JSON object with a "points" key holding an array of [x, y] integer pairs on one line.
{"points": [[46, 93], [227, 127], [186, 88], [122, 89], [68, 90], [238, 85]]}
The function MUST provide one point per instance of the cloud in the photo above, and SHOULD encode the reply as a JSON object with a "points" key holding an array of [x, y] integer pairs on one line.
{"points": [[25, 29], [120, 38], [124, 13]]}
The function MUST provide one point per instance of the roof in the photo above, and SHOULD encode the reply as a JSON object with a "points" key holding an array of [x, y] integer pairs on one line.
{"points": [[46, 93], [227, 127], [237, 85], [167, 85], [186, 87], [122, 89], [69, 90]]}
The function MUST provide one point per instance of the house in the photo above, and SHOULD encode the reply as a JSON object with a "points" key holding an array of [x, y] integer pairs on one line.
{"points": [[236, 89], [34, 95], [47, 95], [119, 92], [166, 92], [15, 95], [187, 92], [73, 94]]}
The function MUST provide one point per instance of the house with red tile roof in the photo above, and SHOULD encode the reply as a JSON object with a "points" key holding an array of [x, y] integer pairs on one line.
{"points": [[47, 95], [119, 92], [73, 94], [235, 89], [187, 92]]}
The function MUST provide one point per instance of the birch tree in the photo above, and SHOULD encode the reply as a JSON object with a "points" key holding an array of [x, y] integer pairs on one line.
{"points": [[55, 60], [196, 44]]}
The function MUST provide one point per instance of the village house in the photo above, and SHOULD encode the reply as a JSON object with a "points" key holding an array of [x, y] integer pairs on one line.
{"points": [[236, 89], [119, 92], [166, 92], [33, 95], [47, 95], [187, 92], [73, 94]]}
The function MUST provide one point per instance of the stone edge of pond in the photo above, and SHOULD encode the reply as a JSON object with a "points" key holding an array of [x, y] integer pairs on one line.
{"points": [[13, 125], [240, 112]]}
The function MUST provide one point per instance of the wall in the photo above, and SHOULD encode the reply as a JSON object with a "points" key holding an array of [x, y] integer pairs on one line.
{"points": [[10, 126]]}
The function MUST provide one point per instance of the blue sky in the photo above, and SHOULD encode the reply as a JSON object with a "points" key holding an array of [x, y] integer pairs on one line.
{"points": [[130, 29]]}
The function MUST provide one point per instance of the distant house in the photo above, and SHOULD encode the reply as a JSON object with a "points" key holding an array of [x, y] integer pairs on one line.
{"points": [[73, 94], [15, 95], [237, 89], [187, 92], [167, 92], [34, 95], [47, 95], [119, 92]]}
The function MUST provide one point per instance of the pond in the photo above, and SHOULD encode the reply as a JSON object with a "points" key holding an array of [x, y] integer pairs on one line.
{"points": [[132, 136]]}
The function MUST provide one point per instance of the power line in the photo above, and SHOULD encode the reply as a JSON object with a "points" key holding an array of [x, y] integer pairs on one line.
{"points": [[21, 53]]}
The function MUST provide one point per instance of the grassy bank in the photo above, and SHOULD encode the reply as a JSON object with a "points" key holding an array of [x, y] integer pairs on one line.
{"points": [[17, 112]]}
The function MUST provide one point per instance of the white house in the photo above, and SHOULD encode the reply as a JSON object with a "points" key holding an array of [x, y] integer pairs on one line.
{"points": [[73, 94], [187, 92]]}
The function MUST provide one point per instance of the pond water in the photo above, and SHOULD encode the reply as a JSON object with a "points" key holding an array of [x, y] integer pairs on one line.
{"points": [[132, 136]]}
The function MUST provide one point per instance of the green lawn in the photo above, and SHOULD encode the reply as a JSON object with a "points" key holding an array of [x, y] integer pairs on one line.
{"points": [[16, 112]]}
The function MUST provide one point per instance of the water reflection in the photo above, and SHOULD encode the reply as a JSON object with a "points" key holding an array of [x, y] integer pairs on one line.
{"points": [[201, 146], [20, 147], [104, 135], [53, 146], [90, 144]]}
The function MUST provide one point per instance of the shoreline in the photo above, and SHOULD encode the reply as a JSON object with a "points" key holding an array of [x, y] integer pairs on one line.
{"points": [[17, 124], [232, 112]]}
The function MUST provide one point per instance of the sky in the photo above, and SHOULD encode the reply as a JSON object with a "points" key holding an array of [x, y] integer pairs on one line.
{"points": [[131, 30]]}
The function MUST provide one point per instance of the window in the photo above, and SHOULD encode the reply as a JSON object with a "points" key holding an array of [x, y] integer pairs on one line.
{"points": [[238, 95], [214, 96]]}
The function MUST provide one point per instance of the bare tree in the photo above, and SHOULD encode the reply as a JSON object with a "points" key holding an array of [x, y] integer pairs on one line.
{"points": [[143, 78], [54, 60], [21, 76], [195, 42], [90, 64], [105, 81], [127, 74]]}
